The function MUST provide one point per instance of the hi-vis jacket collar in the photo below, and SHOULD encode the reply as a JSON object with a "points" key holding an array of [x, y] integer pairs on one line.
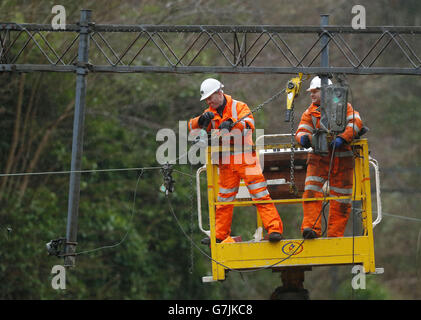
{"points": [[315, 110]]}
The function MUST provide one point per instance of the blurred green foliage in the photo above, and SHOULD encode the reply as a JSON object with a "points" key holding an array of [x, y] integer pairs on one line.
{"points": [[123, 114]]}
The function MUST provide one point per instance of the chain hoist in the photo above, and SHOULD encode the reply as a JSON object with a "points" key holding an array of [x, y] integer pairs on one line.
{"points": [[292, 90], [292, 187]]}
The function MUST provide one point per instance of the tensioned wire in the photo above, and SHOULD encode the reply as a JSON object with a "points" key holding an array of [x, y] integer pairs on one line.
{"points": [[74, 171], [142, 169], [260, 106], [169, 202]]}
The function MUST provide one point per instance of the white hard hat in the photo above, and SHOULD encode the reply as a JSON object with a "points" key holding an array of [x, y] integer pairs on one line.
{"points": [[208, 87], [316, 83]]}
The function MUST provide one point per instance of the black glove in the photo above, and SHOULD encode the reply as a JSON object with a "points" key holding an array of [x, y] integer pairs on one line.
{"points": [[226, 125], [305, 141], [205, 119]]}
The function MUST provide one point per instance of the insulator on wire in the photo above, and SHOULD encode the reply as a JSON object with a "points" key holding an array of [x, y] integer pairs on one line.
{"points": [[169, 182]]}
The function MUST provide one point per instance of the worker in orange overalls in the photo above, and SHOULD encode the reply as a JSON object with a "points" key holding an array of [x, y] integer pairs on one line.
{"points": [[341, 169], [223, 111]]}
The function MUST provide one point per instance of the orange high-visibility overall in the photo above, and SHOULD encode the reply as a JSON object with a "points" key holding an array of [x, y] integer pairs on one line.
{"points": [[239, 165], [341, 174]]}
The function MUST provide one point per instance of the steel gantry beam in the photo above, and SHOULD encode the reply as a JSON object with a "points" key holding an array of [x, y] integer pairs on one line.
{"points": [[213, 49]]}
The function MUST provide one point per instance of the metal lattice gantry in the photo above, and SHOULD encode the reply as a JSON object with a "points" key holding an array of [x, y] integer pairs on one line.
{"points": [[88, 47], [212, 49]]}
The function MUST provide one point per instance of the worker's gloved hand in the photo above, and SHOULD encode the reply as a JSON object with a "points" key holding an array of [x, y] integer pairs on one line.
{"points": [[226, 125], [205, 118], [338, 142], [305, 141]]}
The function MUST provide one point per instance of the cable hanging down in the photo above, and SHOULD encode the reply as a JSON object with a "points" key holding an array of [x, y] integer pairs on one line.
{"points": [[57, 247]]}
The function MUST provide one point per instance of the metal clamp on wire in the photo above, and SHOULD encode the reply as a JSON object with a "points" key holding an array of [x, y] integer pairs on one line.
{"points": [[56, 247], [169, 182]]}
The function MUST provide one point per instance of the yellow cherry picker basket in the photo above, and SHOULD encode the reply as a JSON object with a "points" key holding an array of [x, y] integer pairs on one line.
{"points": [[260, 253]]}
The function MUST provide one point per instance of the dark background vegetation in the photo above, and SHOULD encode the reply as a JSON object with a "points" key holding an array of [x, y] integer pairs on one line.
{"points": [[123, 114]]}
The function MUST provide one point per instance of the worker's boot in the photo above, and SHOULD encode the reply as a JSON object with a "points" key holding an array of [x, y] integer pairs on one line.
{"points": [[275, 237], [309, 233]]}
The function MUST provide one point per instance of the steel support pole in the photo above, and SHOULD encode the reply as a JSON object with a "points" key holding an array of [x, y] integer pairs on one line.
{"points": [[77, 142]]}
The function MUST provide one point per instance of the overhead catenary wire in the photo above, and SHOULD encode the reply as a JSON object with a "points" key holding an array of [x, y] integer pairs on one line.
{"points": [[170, 206], [85, 171], [275, 263], [229, 268], [134, 198], [142, 169], [75, 171], [131, 214], [400, 217], [193, 244], [395, 216], [259, 107]]}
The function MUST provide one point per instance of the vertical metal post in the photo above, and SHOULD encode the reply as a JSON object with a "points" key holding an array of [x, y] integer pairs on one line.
{"points": [[319, 141], [77, 144], [324, 21]]}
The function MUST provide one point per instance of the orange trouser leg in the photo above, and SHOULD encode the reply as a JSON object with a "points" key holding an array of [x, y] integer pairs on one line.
{"points": [[229, 182], [312, 210], [270, 216], [338, 217], [257, 186], [341, 185], [317, 172]]}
